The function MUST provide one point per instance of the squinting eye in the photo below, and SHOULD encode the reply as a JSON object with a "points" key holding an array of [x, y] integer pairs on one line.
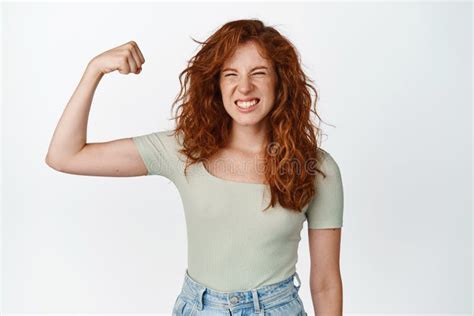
{"points": [[257, 73]]}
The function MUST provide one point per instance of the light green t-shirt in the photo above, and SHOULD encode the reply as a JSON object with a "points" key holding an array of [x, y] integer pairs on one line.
{"points": [[232, 244]]}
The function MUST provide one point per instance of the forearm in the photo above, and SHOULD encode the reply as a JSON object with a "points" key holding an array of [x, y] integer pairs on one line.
{"points": [[328, 302], [70, 135]]}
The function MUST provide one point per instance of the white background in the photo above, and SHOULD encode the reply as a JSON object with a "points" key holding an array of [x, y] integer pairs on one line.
{"points": [[395, 83]]}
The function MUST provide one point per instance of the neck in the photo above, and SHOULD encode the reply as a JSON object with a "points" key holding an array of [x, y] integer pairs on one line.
{"points": [[248, 138]]}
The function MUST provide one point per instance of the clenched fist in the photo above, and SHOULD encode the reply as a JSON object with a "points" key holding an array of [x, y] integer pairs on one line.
{"points": [[125, 58]]}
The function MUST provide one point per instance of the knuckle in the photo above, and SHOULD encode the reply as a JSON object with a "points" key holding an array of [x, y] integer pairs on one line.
{"points": [[123, 60]]}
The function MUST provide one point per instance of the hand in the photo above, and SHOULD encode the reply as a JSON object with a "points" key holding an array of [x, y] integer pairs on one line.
{"points": [[125, 58]]}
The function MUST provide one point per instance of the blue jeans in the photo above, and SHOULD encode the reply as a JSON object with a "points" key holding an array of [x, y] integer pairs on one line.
{"points": [[278, 299]]}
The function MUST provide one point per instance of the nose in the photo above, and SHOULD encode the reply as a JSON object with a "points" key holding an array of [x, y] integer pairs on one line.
{"points": [[245, 85]]}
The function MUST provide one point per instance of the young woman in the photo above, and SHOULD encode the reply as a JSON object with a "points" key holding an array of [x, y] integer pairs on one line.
{"points": [[246, 160]]}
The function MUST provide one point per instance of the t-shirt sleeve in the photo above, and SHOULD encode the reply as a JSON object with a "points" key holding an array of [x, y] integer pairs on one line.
{"points": [[158, 152], [326, 208]]}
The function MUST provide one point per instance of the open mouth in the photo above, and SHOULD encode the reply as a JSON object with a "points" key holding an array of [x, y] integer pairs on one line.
{"points": [[248, 105]]}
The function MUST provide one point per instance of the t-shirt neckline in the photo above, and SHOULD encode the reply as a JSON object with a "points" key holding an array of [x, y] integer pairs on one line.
{"points": [[210, 175]]}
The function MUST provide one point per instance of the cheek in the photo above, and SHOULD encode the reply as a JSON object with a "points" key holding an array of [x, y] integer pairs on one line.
{"points": [[225, 90], [270, 93]]}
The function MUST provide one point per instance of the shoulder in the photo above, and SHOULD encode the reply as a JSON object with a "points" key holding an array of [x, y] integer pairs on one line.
{"points": [[326, 208], [166, 134], [328, 163], [160, 152], [164, 143], [166, 138]]}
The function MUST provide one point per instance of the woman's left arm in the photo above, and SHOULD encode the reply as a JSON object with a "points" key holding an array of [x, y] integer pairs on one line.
{"points": [[325, 276]]}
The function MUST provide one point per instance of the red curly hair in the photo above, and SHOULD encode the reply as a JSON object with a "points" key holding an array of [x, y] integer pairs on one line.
{"points": [[291, 155]]}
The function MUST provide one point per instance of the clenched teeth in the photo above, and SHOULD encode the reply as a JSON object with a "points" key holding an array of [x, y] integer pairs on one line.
{"points": [[247, 104]]}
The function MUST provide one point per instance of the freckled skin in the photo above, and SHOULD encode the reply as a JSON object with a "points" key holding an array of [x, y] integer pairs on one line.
{"points": [[245, 82], [246, 74]]}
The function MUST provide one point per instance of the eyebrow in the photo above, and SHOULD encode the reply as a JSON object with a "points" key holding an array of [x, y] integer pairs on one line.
{"points": [[232, 69]]}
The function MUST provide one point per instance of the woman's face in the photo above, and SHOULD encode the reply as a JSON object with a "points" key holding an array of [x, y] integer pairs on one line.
{"points": [[247, 76]]}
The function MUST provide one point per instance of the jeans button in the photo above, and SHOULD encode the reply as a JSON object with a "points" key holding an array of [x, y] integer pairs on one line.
{"points": [[234, 299]]}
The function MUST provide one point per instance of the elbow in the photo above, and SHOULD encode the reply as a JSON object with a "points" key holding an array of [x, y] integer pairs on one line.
{"points": [[335, 284], [321, 281], [52, 163], [48, 160]]}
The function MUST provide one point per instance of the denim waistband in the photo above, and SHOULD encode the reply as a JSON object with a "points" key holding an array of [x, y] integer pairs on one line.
{"points": [[257, 297]]}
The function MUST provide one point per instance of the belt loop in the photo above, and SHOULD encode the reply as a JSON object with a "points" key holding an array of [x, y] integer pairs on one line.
{"points": [[200, 304], [256, 303], [299, 281]]}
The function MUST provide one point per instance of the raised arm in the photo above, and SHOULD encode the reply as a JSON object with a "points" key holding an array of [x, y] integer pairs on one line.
{"points": [[69, 151]]}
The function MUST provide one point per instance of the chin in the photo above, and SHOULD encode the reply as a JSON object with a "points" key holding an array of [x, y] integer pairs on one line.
{"points": [[245, 123], [248, 121]]}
